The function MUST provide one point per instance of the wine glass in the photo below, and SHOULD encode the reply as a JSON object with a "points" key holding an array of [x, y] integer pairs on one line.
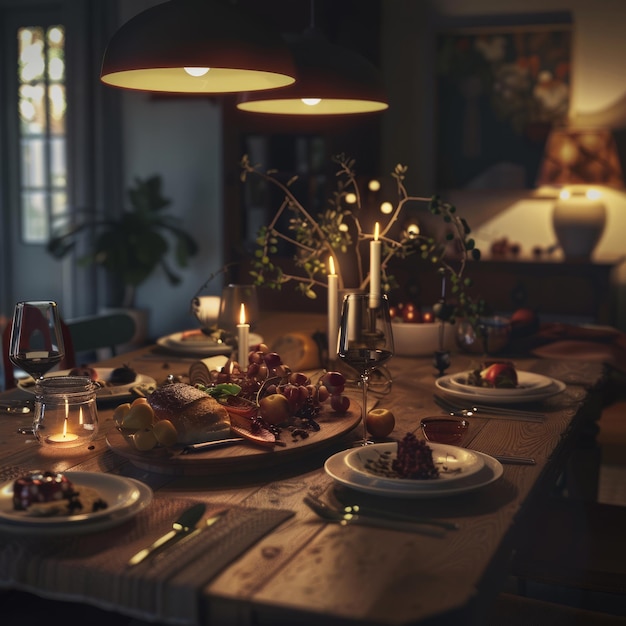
{"points": [[365, 339], [36, 344]]}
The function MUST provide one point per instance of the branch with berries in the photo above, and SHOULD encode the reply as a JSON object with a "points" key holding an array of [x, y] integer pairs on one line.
{"points": [[338, 231]]}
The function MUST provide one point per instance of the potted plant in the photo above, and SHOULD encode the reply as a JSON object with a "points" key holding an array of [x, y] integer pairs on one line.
{"points": [[132, 245]]}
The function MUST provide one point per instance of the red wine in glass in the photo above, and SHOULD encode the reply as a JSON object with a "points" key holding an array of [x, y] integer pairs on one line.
{"points": [[36, 344]]}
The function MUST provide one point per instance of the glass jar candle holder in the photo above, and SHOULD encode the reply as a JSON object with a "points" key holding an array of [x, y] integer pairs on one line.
{"points": [[65, 411]]}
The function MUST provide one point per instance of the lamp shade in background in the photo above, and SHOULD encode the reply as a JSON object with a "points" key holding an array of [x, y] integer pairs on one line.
{"points": [[330, 80], [580, 162], [196, 46]]}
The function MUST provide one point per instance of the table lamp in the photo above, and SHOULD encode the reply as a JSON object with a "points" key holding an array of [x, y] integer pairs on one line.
{"points": [[580, 162]]}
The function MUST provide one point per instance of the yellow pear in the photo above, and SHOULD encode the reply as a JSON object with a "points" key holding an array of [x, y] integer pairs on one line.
{"points": [[138, 416], [165, 433]]}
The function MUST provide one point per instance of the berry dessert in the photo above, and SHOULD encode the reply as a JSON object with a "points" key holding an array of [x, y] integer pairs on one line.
{"points": [[122, 376], [414, 459], [45, 494]]}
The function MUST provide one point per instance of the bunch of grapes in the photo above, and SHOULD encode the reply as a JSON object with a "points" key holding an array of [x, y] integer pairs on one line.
{"points": [[414, 459], [266, 374]]}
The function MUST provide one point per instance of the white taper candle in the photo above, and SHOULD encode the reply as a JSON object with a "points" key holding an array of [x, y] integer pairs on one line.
{"points": [[375, 251], [333, 309], [243, 331]]}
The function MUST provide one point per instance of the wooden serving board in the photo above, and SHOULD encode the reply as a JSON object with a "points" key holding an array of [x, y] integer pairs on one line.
{"points": [[244, 456]]}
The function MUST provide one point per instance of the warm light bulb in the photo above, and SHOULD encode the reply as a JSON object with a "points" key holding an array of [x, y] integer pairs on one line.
{"points": [[374, 185], [311, 102], [331, 265], [242, 314], [565, 194], [412, 230], [376, 231], [197, 71], [593, 194], [350, 198], [386, 208]]}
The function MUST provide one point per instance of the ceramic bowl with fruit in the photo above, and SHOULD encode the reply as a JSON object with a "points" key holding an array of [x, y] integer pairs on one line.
{"points": [[417, 333]]}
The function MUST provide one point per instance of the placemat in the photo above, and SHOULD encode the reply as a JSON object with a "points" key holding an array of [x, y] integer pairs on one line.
{"points": [[92, 568]]}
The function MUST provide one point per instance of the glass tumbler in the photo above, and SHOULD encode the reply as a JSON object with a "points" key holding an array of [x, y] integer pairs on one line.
{"points": [[233, 296], [66, 415]]}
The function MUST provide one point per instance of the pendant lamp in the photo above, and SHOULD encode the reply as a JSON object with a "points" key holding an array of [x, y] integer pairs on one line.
{"points": [[331, 80], [196, 46]]}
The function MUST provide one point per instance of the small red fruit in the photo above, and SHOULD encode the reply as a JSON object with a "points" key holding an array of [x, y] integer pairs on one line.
{"points": [[335, 382], [411, 314], [501, 375], [339, 403], [428, 317]]}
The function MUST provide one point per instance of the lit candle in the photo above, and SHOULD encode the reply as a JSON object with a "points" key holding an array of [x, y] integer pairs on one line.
{"points": [[333, 309], [243, 330], [375, 250], [63, 437]]}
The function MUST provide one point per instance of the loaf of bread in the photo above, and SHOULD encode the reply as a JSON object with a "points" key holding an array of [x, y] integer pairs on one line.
{"points": [[196, 416]]}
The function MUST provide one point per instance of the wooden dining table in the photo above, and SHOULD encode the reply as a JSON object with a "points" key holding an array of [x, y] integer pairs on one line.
{"points": [[272, 560]]}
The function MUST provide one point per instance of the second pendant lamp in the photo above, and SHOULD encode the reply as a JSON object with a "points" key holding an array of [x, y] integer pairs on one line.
{"points": [[330, 80]]}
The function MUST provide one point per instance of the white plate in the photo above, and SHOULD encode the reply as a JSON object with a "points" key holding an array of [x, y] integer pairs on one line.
{"points": [[113, 392], [194, 343], [476, 394], [125, 497], [337, 468], [526, 382], [454, 464]]}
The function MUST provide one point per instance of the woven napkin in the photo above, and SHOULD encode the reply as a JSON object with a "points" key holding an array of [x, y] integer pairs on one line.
{"points": [[92, 567]]}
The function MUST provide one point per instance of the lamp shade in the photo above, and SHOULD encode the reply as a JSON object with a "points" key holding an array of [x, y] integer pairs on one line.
{"points": [[330, 80], [581, 156], [223, 49]]}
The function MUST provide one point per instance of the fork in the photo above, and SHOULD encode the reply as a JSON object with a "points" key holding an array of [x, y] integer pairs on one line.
{"points": [[498, 413], [345, 519], [371, 511]]}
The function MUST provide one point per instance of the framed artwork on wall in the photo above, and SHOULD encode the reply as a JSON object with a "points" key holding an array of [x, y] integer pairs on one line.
{"points": [[499, 91]]}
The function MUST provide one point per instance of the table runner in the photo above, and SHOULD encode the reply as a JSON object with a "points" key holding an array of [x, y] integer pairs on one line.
{"points": [[93, 567]]}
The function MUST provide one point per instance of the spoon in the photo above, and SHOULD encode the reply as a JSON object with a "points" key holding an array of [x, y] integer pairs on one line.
{"points": [[346, 519], [356, 509]]}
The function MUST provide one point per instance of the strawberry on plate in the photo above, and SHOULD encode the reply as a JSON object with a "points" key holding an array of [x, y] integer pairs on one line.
{"points": [[500, 375]]}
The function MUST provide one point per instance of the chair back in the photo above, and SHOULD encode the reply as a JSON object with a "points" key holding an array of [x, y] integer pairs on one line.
{"points": [[95, 332]]}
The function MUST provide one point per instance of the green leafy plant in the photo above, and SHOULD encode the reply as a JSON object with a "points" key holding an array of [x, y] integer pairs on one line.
{"points": [[338, 231], [134, 244]]}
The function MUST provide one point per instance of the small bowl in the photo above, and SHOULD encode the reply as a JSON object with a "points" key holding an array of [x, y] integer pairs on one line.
{"points": [[420, 338], [449, 430]]}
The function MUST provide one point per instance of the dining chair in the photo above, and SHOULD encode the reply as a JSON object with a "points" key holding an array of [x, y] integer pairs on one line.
{"points": [[82, 338], [67, 362], [103, 331]]}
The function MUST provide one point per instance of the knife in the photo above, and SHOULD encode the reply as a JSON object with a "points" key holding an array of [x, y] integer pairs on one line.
{"points": [[515, 460], [185, 524]]}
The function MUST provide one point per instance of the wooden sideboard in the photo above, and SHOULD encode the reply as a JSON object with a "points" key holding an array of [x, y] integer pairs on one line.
{"points": [[566, 291], [556, 290]]}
